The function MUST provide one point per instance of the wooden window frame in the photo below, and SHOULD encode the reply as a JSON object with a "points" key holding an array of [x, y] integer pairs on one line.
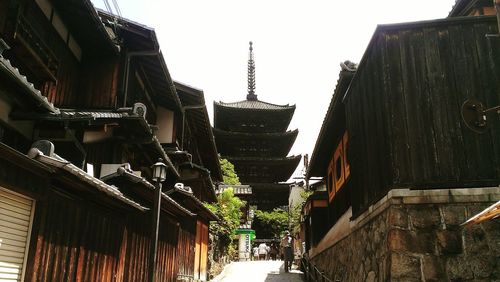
{"points": [[339, 179], [334, 181], [330, 182], [347, 166]]}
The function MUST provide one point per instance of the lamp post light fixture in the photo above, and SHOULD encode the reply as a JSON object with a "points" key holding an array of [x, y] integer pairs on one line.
{"points": [[159, 175], [159, 171]]}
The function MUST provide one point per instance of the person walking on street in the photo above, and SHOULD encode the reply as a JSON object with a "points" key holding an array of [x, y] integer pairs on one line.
{"points": [[286, 245], [255, 251], [262, 251]]}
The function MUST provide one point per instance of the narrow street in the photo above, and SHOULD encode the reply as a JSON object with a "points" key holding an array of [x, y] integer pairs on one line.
{"points": [[258, 271]]}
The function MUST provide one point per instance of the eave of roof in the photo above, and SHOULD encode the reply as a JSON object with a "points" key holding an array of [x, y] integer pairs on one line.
{"points": [[60, 163], [143, 182], [21, 80], [253, 105], [343, 82], [204, 172], [77, 116], [279, 169], [279, 143], [462, 6], [201, 209], [263, 159], [270, 135], [71, 11], [148, 42], [22, 160], [209, 155]]}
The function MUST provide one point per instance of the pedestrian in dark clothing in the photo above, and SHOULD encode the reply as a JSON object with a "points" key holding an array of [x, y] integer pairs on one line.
{"points": [[286, 245]]}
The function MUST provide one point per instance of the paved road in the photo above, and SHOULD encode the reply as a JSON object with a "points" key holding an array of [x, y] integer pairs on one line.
{"points": [[258, 271]]}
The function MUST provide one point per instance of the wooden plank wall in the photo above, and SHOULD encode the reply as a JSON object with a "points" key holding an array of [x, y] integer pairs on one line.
{"points": [[75, 241], [185, 248], [91, 83], [99, 82], [73, 244], [403, 109]]}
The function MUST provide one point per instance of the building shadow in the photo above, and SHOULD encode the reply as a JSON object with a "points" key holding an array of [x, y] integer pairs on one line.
{"points": [[280, 275]]}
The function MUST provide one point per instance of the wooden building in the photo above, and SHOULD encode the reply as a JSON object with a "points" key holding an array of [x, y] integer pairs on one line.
{"points": [[394, 146], [253, 136], [314, 214], [463, 8], [79, 207]]}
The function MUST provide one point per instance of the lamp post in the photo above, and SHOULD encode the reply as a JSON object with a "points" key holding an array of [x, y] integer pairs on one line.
{"points": [[159, 175]]}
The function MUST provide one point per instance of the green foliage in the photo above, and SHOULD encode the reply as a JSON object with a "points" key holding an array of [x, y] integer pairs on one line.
{"points": [[295, 212], [228, 173], [228, 209], [270, 224]]}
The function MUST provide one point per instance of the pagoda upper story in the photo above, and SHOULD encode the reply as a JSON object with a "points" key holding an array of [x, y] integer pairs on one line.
{"points": [[252, 115], [253, 135]]}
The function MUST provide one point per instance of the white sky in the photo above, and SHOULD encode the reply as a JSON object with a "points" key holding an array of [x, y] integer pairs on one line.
{"points": [[298, 46]]}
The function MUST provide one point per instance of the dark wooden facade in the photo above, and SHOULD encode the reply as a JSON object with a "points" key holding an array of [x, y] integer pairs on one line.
{"points": [[472, 8], [426, 72], [402, 113], [314, 215], [102, 94]]}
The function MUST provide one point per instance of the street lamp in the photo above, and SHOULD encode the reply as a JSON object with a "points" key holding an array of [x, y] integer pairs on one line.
{"points": [[159, 175], [159, 171]]}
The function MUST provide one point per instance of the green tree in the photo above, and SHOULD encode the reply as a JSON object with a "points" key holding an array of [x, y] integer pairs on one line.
{"points": [[229, 176], [270, 224], [295, 212], [228, 209]]}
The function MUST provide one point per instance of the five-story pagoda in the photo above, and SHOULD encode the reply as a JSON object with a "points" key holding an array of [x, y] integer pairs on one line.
{"points": [[253, 135]]}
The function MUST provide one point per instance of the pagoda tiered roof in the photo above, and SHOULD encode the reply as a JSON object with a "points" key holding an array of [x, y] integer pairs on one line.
{"points": [[268, 196], [255, 105], [264, 117], [274, 144], [253, 136], [264, 170]]}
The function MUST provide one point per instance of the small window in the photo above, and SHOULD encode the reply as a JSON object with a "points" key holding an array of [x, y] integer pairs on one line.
{"points": [[338, 167], [330, 182], [345, 147]]}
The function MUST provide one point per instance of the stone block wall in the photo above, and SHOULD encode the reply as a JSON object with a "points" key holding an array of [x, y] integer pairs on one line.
{"points": [[408, 240]]}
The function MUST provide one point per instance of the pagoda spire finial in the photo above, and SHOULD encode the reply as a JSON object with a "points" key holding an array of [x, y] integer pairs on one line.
{"points": [[251, 75]]}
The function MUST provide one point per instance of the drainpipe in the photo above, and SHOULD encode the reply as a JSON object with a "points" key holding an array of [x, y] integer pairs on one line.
{"points": [[496, 3]]}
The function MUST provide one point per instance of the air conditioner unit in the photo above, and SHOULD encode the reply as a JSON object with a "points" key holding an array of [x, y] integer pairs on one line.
{"points": [[139, 109]]}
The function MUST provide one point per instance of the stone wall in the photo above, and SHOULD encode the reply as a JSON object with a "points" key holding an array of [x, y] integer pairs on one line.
{"points": [[416, 236]]}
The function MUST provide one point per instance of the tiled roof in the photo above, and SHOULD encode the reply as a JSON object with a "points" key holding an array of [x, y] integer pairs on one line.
{"points": [[126, 115], [238, 189], [255, 105], [7, 68], [56, 161], [92, 114], [141, 180], [187, 192]]}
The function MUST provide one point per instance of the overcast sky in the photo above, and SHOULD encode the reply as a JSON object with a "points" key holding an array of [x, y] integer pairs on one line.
{"points": [[298, 46]]}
